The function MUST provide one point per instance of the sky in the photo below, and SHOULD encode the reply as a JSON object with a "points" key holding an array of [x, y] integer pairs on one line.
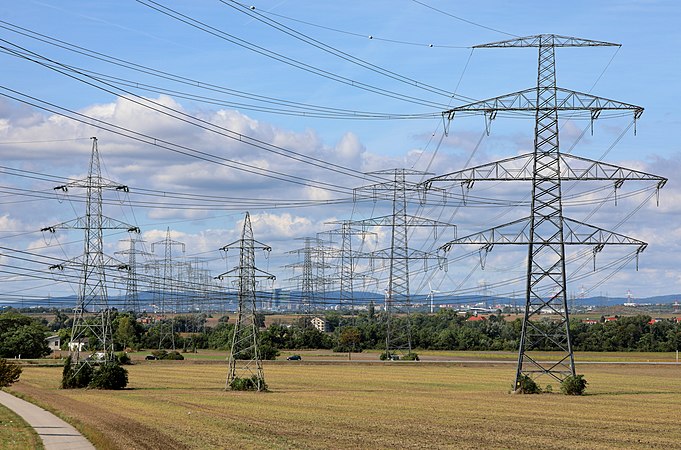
{"points": [[285, 109]]}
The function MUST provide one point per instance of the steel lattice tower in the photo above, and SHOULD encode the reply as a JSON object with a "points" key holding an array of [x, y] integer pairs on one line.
{"points": [[546, 231], [399, 254], [131, 291], [92, 295], [245, 339], [312, 278], [168, 293]]}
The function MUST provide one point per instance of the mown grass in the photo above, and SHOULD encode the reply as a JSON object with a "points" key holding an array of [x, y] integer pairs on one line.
{"points": [[15, 433], [372, 406]]}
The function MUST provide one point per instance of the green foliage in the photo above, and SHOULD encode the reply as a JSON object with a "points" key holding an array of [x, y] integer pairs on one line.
{"points": [[109, 375], [164, 354], [248, 384], [527, 385], [123, 358], [76, 376], [573, 385], [9, 373], [22, 335], [412, 356]]}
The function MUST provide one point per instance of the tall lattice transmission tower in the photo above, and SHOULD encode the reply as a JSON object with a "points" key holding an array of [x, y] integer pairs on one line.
{"points": [[397, 307], [93, 263], [131, 302], [546, 231], [312, 279], [245, 361], [168, 290]]}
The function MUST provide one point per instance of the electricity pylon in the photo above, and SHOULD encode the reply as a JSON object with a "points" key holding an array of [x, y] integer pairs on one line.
{"points": [[347, 260], [131, 292], [245, 341], [546, 231], [399, 254], [93, 263], [168, 291], [312, 278]]}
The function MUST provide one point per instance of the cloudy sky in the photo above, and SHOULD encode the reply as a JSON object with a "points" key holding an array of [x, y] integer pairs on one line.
{"points": [[209, 109]]}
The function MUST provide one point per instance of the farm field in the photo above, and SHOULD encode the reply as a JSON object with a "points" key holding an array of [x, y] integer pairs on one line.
{"points": [[182, 404]]}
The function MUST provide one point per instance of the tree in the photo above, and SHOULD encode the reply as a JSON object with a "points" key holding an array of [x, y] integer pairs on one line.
{"points": [[9, 373], [21, 335], [349, 339], [125, 331]]}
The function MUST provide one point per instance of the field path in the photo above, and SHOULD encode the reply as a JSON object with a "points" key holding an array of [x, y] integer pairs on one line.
{"points": [[54, 432]]}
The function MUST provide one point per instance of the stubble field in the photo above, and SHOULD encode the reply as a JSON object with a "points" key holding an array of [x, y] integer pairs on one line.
{"points": [[182, 404]]}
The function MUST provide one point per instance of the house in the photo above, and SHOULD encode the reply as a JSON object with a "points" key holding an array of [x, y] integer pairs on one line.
{"points": [[476, 319], [54, 342], [611, 319], [79, 345], [590, 321], [320, 324]]}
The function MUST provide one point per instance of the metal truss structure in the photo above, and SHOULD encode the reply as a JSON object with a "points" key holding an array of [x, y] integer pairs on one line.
{"points": [[546, 231], [244, 356], [131, 302], [168, 290], [398, 254], [312, 280], [93, 263]]}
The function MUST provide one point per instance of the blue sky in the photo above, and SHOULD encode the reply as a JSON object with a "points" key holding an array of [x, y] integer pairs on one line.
{"points": [[419, 42]]}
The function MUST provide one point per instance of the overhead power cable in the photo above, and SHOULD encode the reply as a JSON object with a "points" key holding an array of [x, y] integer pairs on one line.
{"points": [[284, 59], [470, 22], [251, 12], [369, 36], [288, 107], [187, 118]]}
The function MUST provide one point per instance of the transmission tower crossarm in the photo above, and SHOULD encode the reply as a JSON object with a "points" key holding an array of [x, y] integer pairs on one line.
{"points": [[554, 40], [520, 168], [526, 101], [518, 233], [83, 223]]}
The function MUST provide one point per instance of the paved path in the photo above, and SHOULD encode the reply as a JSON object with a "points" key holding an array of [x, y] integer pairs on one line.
{"points": [[55, 433]]}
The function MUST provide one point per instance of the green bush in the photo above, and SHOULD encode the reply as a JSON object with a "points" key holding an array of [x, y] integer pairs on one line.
{"points": [[9, 373], [412, 356], [110, 375], [76, 376], [573, 385], [527, 385], [248, 384], [163, 354], [123, 358]]}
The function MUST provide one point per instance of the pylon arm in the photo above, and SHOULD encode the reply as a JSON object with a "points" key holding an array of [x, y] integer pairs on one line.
{"points": [[518, 233], [520, 168], [82, 223], [526, 102], [235, 273], [541, 39]]}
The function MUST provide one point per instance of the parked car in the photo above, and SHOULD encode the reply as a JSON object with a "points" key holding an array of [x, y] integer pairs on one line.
{"points": [[150, 357], [294, 358]]}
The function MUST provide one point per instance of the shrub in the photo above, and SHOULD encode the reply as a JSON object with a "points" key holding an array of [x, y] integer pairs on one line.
{"points": [[412, 356], [9, 373], [163, 354], [76, 376], [123, 358], [527, 385], [573, 385], [248, 384], [110, 375]]}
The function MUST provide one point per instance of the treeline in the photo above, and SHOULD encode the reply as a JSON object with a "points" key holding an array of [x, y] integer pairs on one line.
{"points": [[445, 330]]}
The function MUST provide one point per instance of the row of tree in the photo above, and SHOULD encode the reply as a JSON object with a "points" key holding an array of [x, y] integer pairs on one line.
{"points": [[446, 330]]}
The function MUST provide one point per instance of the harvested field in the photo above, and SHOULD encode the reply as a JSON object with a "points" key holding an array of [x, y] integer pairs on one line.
{"points": [[182, 404]]}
